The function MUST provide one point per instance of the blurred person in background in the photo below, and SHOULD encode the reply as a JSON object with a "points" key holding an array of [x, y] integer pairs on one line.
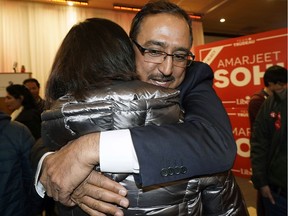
{"points": [[34, 87], [16, 181], [21, 103], [269, 149], [274, 79]]}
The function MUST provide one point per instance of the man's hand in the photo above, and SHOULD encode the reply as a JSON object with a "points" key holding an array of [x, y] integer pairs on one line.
{"points": [[266, 192], [64, 170], [98, 194]]}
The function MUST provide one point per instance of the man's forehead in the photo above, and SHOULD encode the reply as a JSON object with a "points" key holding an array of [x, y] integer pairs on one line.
{"points": [[30, 83], [164, 30], [155, 20]]}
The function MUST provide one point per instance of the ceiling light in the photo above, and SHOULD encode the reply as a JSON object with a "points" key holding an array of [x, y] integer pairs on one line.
{"points": [[195, 17], [126, 7], [222, 20], [72, 2]]}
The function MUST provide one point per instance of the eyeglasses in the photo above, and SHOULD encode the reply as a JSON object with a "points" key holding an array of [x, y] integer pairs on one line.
{"points": [[158, 57]]}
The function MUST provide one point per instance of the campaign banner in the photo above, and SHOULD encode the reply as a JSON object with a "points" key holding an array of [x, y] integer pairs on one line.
{"points": [[241, 131], [239, 63]]}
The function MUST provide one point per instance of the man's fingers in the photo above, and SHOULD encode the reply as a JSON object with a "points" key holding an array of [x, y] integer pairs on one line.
{"points": [[95, 208], [266, 192], [270, 197], [65, 199], [98, 194], [54, 192], [96, 178], [65, 169]]}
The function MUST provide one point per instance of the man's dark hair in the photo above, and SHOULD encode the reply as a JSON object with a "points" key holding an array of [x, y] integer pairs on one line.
{"points": [[158, 7], [32, 80], [275, 74]]}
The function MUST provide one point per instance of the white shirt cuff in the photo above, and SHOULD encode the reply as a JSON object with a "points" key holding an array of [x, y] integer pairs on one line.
{"points": [[117, 153], [38, 186]]}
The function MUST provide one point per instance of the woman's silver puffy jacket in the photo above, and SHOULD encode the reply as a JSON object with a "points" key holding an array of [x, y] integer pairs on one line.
{"points": [[122, 105], [131, 104]]}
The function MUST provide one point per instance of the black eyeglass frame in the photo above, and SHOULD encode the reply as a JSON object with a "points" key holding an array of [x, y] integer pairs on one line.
{"points": [[143, 50]]}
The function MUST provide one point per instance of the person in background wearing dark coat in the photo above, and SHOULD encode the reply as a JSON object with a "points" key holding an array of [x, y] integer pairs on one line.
{"points": [[16, 177], [21, 103], [269, 153], [34, 87], [273, 77]]}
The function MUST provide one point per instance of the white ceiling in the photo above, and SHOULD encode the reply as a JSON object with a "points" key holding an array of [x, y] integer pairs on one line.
{"points": [[243, 17]]}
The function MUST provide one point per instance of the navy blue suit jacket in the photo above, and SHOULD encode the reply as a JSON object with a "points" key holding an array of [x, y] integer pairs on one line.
{"points": [[202, 145]]}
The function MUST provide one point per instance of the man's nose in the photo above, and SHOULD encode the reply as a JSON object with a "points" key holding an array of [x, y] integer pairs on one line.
{"points": [[166, 66]]}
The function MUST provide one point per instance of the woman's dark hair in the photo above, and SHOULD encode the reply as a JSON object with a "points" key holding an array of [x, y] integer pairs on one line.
{"points": [[17, 91], [93, 54], [158, 7]]}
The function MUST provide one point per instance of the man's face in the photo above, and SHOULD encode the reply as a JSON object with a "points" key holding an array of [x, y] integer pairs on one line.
{"points": [[33, 88], [277, 87], [163, 32]]}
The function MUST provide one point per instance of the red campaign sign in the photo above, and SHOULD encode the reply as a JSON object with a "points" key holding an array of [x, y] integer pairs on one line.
{"points": [[241, 131], [239, 63]]}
